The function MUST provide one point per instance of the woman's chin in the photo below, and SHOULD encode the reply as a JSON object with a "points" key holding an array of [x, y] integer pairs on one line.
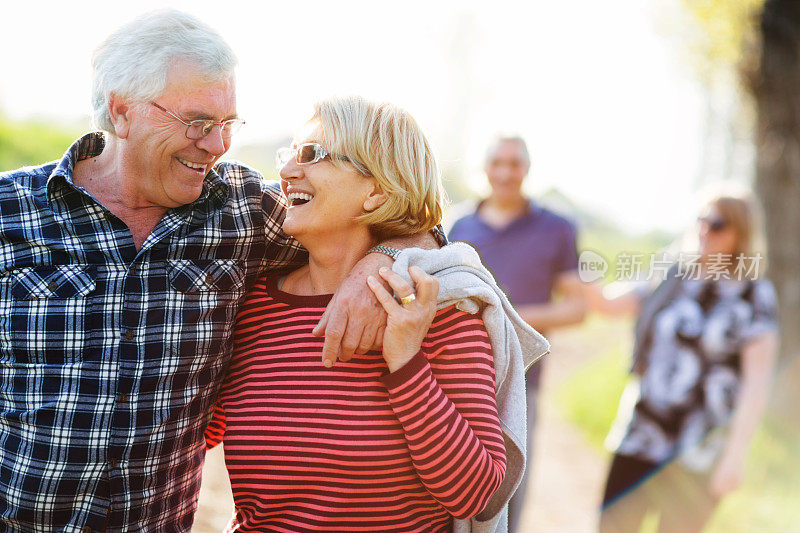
{"points": [[292, 227]]}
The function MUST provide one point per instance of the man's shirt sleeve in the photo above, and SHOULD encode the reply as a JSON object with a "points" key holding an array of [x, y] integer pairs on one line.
{"points": [[567, 258]]}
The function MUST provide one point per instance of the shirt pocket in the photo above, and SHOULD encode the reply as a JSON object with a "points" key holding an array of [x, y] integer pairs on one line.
{"points": [[205, 297], [196, 276], [44, 315]]}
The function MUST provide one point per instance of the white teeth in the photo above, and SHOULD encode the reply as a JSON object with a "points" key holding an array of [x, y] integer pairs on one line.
{"points": [[189, 164], [299, 196]]}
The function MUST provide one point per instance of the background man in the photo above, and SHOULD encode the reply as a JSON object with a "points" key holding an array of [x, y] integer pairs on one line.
{"points": [[532, 252]]}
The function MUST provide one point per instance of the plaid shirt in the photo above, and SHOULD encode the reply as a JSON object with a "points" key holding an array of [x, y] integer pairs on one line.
{"points": [[109, 356]]}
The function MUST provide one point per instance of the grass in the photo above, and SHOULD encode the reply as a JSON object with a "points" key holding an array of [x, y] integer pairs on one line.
{"points": [[590, 397], [769, 499]]}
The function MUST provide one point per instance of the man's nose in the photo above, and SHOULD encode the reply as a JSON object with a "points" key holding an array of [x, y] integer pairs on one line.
{"points": [[215, 143]]}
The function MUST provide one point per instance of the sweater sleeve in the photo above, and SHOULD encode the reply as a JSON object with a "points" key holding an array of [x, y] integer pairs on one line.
{"points": [[216, 427], [444, 399]]}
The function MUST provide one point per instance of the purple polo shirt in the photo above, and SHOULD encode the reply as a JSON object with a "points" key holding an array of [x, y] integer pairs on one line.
{"points": [[526, 256]]}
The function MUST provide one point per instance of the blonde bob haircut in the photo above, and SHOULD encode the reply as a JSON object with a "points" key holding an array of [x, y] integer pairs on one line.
{"points": [[383, 141]]}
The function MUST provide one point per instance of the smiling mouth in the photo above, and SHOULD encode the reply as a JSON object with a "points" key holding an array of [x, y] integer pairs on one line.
{"points": [[298, 198], [197, 167]]}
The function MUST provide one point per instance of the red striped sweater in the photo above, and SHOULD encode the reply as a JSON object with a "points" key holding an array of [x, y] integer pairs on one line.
{"points": [[355, 447]]}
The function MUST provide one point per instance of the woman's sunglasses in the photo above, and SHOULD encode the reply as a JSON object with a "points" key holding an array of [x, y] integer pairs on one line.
{"points": [[714, 224], [304, 154]]}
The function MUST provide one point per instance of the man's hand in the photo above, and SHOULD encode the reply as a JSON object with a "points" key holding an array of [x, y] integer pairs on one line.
{"points": [[354, 320]]}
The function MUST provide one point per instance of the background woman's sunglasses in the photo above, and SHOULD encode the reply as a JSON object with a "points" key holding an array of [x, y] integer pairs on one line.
{"points": [[714, 223]]}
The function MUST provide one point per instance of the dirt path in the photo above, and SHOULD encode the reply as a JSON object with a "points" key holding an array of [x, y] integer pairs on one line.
{"points": [[569, 474]]}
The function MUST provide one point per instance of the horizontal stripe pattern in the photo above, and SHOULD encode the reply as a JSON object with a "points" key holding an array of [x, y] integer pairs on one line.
{"points": [[355, 447]]}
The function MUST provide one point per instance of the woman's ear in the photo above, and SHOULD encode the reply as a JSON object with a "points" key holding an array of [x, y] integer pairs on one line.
{"points": [[375, 199], [119, 111]]}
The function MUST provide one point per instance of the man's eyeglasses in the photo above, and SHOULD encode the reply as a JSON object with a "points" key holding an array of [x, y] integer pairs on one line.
{"points": [[304, 154], [199, 129]]}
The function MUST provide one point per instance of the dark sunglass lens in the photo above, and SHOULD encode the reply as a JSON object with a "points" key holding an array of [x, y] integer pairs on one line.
{"points": [[714, 224], [717, 225]]}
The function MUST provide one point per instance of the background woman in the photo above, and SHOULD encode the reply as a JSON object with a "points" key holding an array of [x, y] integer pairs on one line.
{"points": [[399, 440], [704, 353]]}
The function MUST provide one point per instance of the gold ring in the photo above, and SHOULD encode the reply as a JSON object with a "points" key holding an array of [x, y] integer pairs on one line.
{"points": [[408, 299]]}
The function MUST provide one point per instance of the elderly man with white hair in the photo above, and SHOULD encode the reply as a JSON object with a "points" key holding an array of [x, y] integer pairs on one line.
{"points": [[122, 267]]}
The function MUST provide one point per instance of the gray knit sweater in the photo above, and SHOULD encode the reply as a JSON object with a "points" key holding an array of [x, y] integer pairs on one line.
{"points": [[465, 282]]}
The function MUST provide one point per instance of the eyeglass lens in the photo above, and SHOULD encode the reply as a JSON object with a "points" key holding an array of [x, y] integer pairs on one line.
{"points": [[201, 128], [308, 153]]}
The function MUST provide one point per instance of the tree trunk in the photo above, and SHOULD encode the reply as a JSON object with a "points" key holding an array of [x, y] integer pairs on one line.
{"points": [[775, 84]]}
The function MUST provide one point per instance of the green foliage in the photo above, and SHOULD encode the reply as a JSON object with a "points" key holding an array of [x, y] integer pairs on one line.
{"points": [[590, 397], [723, 27], [609, 242], [31, 143], [768, 499]]}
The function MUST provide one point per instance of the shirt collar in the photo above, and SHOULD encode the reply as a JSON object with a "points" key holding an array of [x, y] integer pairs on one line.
{"points": [[90, 145], [533, 211], [215, 187]]}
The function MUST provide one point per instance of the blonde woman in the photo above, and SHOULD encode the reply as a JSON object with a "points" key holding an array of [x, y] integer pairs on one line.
{"points": [[404, 439], [704, 353]]}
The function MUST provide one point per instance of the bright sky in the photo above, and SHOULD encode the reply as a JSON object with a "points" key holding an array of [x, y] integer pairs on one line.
{"points": [[612, 116]]}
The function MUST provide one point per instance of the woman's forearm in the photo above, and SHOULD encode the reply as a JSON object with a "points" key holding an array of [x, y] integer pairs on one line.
{"points": [[611, 300], [447, 409], [450, 459], [545, 317], [758, 362]]}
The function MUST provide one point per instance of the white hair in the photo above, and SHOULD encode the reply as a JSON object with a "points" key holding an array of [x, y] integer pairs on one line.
{"points": [[500, 139], [133, 61]]}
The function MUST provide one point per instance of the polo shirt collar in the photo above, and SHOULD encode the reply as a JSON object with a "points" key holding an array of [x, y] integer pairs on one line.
{"points": [[534, 209]]}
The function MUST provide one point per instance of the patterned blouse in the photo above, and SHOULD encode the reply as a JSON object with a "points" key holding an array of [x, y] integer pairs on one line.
{"points": [[687, 392]]}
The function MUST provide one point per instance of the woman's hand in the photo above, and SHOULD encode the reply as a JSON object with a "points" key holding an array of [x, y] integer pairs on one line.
{"points": [[407, 324], [727, 475]]}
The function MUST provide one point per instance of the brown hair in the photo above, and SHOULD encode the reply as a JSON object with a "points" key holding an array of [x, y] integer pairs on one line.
{"points": [[744, 215]]}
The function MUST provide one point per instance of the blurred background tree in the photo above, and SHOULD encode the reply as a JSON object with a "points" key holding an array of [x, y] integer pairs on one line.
{"points": [[772, 76], [755, 46]]}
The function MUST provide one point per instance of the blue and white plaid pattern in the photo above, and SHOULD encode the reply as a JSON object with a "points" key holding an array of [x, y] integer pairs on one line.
{"points": [[109, 356]]}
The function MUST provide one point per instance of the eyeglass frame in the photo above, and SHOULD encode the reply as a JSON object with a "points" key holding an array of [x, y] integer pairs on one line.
{"points": [[320, 153], [235, 122]]}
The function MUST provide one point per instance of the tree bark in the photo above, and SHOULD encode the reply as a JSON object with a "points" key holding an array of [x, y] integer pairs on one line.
{"points": [[775, 85]]}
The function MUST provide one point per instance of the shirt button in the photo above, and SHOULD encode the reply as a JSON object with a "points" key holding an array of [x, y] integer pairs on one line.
{"points": [[113, 463], [86, 529], [52, 286], [127, 334], [122, 398], [210, 279]]}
